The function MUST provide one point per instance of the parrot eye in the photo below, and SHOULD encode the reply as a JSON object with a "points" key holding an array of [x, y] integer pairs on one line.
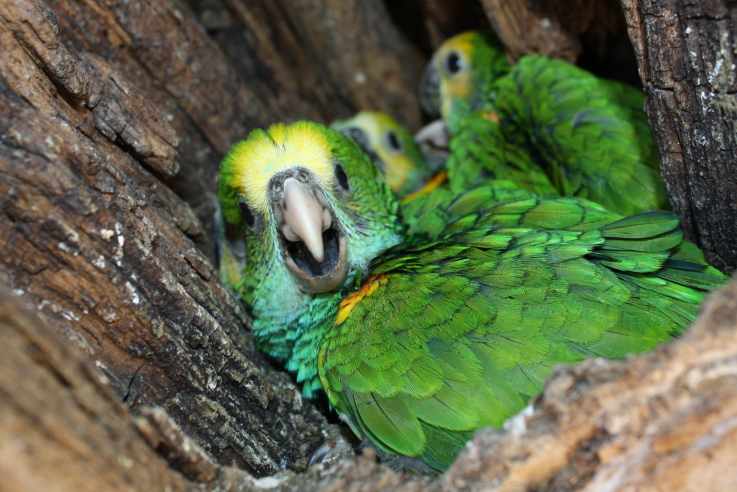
{"points": [[341, 177], [393, 142], [246, 213], [453, 63]]}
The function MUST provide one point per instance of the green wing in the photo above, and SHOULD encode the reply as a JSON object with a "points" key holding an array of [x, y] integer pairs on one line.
{"points": [[590, 134], [480, 151], [498, 203], [448, 337]]}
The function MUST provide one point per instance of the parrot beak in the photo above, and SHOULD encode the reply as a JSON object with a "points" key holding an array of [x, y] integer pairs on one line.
{"points": [[313, 245], [430, 90], [433, 140]]}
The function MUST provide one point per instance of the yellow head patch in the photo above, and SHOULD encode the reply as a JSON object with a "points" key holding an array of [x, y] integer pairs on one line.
{"points": [[281, 147], [398, 163], [458, 85]]}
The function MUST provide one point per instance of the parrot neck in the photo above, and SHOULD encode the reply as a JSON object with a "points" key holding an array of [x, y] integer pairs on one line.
{"points": [[276, 304], [310, 330], [289, 324]]}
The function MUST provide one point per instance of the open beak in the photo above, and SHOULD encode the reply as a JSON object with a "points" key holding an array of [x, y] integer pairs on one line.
{"points": [[313, 245]]}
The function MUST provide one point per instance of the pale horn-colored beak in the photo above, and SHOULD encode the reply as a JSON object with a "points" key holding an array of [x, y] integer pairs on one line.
{"points": [[305, 218]]}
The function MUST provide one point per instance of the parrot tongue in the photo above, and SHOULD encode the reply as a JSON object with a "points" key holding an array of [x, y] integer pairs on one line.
{"points": [[314, 248]]}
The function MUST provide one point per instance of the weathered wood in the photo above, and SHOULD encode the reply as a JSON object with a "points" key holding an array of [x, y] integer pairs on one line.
{"points": [[61, 428], [552, 28], [360, 50], [92, 238], [440, 19], [105, 106], [263, 47], [686, 54]]}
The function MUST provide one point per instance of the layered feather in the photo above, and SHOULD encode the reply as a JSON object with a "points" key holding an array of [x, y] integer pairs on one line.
{"points": [[548, 126], [460, 333]]}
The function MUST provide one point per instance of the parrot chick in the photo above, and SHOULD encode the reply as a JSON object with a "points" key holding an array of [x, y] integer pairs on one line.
{"points": [[390, 146], [545, 124]]}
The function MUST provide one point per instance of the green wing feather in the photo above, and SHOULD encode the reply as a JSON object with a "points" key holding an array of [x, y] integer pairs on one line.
{"points": [[590, 133], [481, 151], [460, 333], [546, 125], [498, 203]]}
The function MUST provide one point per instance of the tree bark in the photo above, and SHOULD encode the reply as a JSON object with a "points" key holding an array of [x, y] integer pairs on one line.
{"points": [[61, 428], [553, 28], [360, 50], [686, 54], [93, 238]]}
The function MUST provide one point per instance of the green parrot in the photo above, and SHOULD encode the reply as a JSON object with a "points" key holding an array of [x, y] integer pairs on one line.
{"points": [[390, 146], [419, 340], [429, 209], [545, 124]]}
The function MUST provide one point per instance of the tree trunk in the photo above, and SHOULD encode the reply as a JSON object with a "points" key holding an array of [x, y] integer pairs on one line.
{"points": [[553, 28], [61, 428], [91, 235], [686, 54]]}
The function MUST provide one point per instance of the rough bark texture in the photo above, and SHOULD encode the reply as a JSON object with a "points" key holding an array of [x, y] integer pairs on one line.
{"points": [[92, 238], [61, 428], [552, 28], [440, 19], [687, 53], [113, 118], [351, 41]]}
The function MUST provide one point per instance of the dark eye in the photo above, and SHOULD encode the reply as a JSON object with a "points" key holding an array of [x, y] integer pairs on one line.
{"points": [[341, 177], [246, 213], [392, 141], [453, 63]]}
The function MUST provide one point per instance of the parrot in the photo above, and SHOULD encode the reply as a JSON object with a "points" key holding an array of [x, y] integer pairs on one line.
{"points": [[543, 123], [391, 147], [427, 209], [419, 339]]}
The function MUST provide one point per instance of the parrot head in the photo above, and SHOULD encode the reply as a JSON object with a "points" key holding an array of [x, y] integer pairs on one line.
{"points": [[390, 146], [308, 198], [458, 77]]}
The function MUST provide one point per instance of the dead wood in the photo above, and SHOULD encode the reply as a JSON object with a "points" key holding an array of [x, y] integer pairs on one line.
{"points": [[94, 239], [686, 54], [61, 428]]}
